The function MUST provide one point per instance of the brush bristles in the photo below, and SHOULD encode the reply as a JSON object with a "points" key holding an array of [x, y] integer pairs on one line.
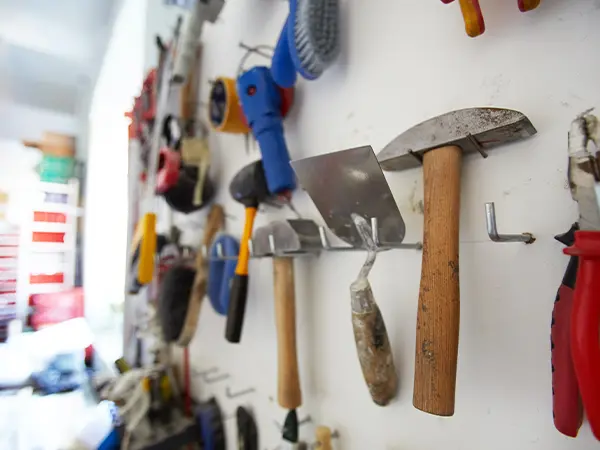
{"points": [[316, 34]]}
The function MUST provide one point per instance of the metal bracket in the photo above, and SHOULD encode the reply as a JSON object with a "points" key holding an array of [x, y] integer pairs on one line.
{"points": [[490, 218], [239, 393], [205, 374]]}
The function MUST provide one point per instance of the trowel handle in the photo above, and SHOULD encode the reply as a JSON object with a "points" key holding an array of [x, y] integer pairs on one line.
{"points": [[239, 285], [289, 394], [375, 354], [438, 312]]}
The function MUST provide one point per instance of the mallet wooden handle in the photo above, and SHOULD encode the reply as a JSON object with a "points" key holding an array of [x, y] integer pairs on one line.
{"points": [[438, 313], [289, 394]]}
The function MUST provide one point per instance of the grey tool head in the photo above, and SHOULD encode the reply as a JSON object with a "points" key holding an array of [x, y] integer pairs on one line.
{"points": [[472, 129], [583, 173], [290, 236], [351, 182]]}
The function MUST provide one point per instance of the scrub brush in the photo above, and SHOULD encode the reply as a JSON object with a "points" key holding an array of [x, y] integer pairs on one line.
{"points": [[312, 35]]}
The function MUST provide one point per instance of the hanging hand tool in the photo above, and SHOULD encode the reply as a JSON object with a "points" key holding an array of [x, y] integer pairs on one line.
{"points": [[247, 431], [528, 5], [215, 221], [261, 102], [584, 181], [567, 409], [471, 11], [438, 145], [148, 242], [249, 187], [372, 341], [203, 10], [473, 17], [275, 239], [346, 187]]}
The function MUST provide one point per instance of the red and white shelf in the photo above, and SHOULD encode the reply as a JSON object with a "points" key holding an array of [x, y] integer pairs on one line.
{"points": [[48, 242]]}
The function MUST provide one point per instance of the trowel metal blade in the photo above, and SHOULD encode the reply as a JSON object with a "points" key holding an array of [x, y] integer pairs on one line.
{"points": [[351, 181], [470, 129]]}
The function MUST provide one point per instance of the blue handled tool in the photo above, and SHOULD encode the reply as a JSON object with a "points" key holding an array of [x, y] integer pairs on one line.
{"points": [[221, 271], [261, 102], [309, 41]]}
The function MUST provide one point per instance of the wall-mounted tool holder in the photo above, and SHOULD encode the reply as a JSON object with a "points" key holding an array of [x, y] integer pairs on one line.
{"points": [[325, 243], [492, 229]]}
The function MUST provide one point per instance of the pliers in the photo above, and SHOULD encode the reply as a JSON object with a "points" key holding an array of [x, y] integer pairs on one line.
{"points": [[471, 11], [576, 315]]}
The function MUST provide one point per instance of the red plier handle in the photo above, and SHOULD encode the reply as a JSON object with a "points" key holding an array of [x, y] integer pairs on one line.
{"points": [[585, 323]]}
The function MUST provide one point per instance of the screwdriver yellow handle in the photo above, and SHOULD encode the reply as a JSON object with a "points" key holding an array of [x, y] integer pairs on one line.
{"points": [[147, 248]]}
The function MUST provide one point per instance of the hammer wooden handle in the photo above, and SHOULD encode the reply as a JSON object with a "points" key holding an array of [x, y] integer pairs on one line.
{"points": [[438, 313], [289, 394]]}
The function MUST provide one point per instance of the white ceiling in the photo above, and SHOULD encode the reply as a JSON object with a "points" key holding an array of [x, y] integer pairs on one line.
{"points": [[51, 50]]}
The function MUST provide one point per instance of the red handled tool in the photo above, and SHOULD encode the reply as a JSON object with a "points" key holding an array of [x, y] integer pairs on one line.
{"points": [[584, 180], [567, 409]]}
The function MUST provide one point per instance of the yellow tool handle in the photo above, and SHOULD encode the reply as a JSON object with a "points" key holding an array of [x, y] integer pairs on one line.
{"points": [[473, 17], [239, 285], [147, 249], [242, 265], [528, 5]]}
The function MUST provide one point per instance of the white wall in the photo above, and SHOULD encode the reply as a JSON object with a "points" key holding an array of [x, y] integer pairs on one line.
{"points": [[403, 62], [119, 81], [19, 122]]}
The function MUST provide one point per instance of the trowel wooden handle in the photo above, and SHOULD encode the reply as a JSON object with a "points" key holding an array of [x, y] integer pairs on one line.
{"points": [[289, 394], [375, 355], [438, 314]]}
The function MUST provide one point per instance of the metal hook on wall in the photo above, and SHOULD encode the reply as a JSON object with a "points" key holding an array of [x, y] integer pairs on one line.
{"points": [[231, 394], [490, 218]]}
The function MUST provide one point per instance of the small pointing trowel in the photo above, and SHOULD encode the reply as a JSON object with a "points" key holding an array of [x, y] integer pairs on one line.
{"points": [[350, 190], [351, 182]]}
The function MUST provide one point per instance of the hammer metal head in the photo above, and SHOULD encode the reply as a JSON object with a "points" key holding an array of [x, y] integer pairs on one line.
{"points": [[471, 129], [288, 236]]}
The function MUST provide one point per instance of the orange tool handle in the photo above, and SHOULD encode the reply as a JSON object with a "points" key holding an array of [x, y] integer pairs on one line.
{"points": [[528, 5], [239, 285]]}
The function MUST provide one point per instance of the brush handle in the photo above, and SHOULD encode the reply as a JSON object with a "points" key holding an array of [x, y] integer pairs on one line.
{"points": [[438, 313], [239, 285], [289, 394], [375, 354], [283, 69]]}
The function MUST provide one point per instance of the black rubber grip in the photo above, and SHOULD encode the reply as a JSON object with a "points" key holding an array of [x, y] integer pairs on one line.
{"points": [[237, 308]]}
